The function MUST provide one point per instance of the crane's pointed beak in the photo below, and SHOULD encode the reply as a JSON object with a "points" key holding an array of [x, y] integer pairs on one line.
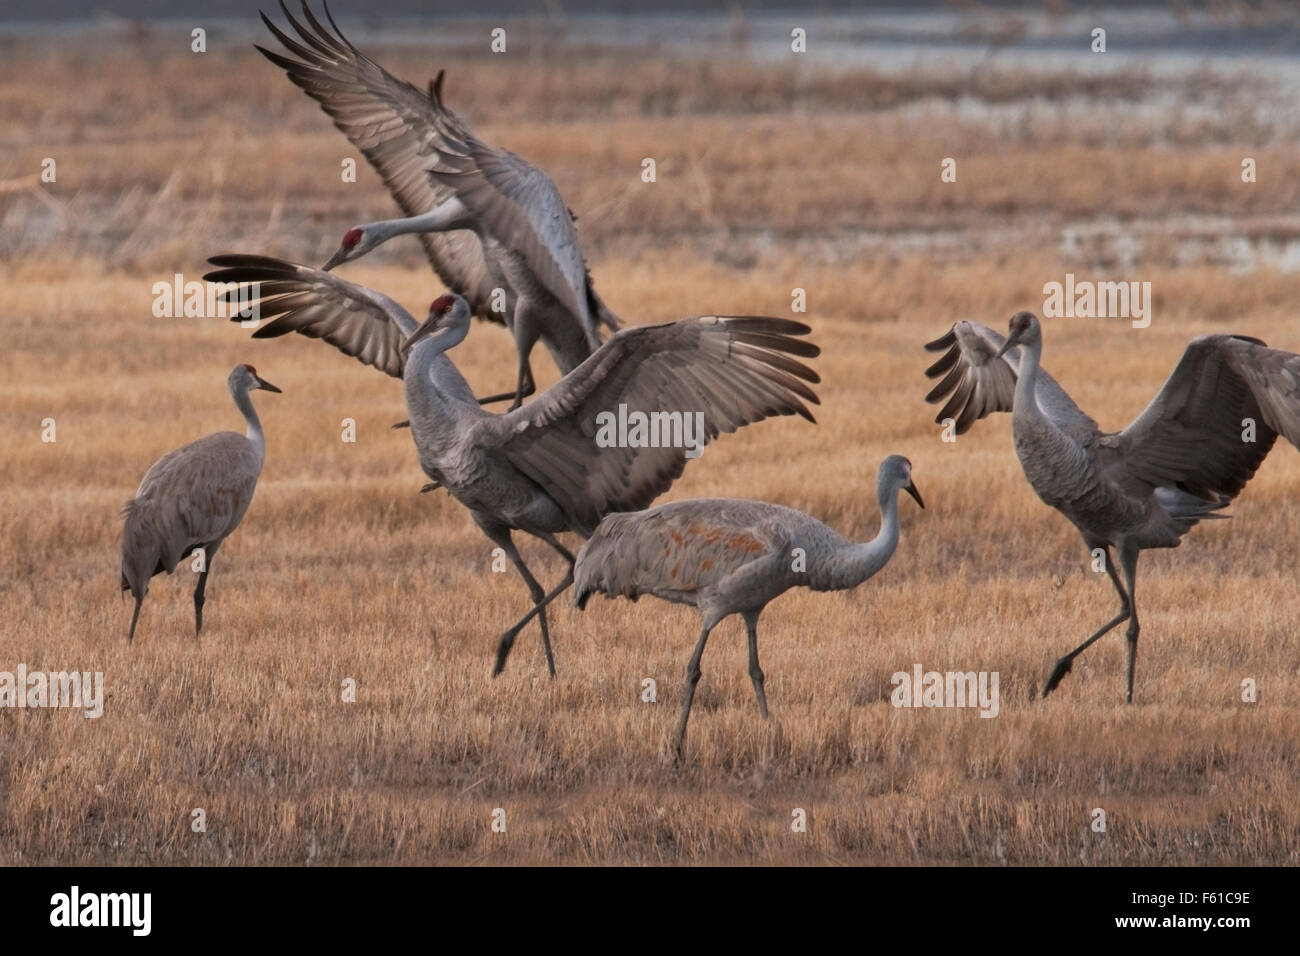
{"points": [[1009, 344], [263, 383], [427, 327], [340, 255], [910, 488]]}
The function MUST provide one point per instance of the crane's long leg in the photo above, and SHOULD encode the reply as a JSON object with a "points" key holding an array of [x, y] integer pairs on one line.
{"points": [[539, 608], [523, 389], [209, 554], [1128, 559], [508, 638], [755, 672], [199, 590], [198, 601], [135, 616], [526, 331], [501, 537], [1063, 665], [564, 552], [692, 678]]}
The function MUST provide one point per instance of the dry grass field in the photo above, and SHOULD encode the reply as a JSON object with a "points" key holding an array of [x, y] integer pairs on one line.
{"points": [[770, 177]]}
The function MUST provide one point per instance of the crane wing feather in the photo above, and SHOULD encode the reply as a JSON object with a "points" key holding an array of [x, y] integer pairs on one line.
{"points": [[520, 206], [397, 127], [1193, 434], [357, 321], [975, 384], [702, 365]]}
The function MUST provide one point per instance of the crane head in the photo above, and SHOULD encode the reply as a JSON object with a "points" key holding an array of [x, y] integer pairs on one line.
{"points": [[354, 245], [1023, 329], [250, 379], [895, 475], [449, 317]]}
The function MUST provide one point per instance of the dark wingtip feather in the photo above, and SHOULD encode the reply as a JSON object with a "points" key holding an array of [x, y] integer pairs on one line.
{"points": [[945, 362], [321, 38], [290, 44], [765, 323], [272, 330], [240, 260], [949, 384], [283, 62], [342, 39], [943, 341], [959, 401], [778, 342]]}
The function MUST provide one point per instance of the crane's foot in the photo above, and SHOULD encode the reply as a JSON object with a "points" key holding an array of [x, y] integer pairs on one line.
{"points": [[1058, 673], [431, 486], [503, 651], [405, 424]]}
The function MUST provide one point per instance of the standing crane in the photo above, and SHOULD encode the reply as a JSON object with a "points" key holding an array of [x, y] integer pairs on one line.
{"points": [[494, 226], [542, 469], [1181, 461], [725, 556], [192, 498]]}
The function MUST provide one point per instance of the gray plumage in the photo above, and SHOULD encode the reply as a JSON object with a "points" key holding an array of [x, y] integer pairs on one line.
{"points": [[726, 556], [539, 469], [1182, 460], [193, 497], [488, 219]]}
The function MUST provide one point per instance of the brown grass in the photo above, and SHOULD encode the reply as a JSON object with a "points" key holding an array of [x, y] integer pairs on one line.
{"points": [[342, 570]]}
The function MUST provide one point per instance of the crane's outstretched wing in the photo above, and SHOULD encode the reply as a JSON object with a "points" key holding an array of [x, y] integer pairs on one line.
{"points": [[1193, 434], [398, 128], [976, 384], [357, 321], [520, 206], [730, 370]]}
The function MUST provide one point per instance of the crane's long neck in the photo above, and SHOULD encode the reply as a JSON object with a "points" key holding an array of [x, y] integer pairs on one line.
{"points": [[1026, 398], [852, 563], [244, 402], [451, 214], [438, 398]]}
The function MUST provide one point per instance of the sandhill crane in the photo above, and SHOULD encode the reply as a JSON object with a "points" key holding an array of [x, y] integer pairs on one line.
{"points": [[193, 497], [488, 219], [543, 469], [725, 556], [1183, 459]]}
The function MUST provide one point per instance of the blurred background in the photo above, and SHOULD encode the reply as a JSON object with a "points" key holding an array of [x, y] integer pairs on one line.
{"points": [[830, 155]]}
